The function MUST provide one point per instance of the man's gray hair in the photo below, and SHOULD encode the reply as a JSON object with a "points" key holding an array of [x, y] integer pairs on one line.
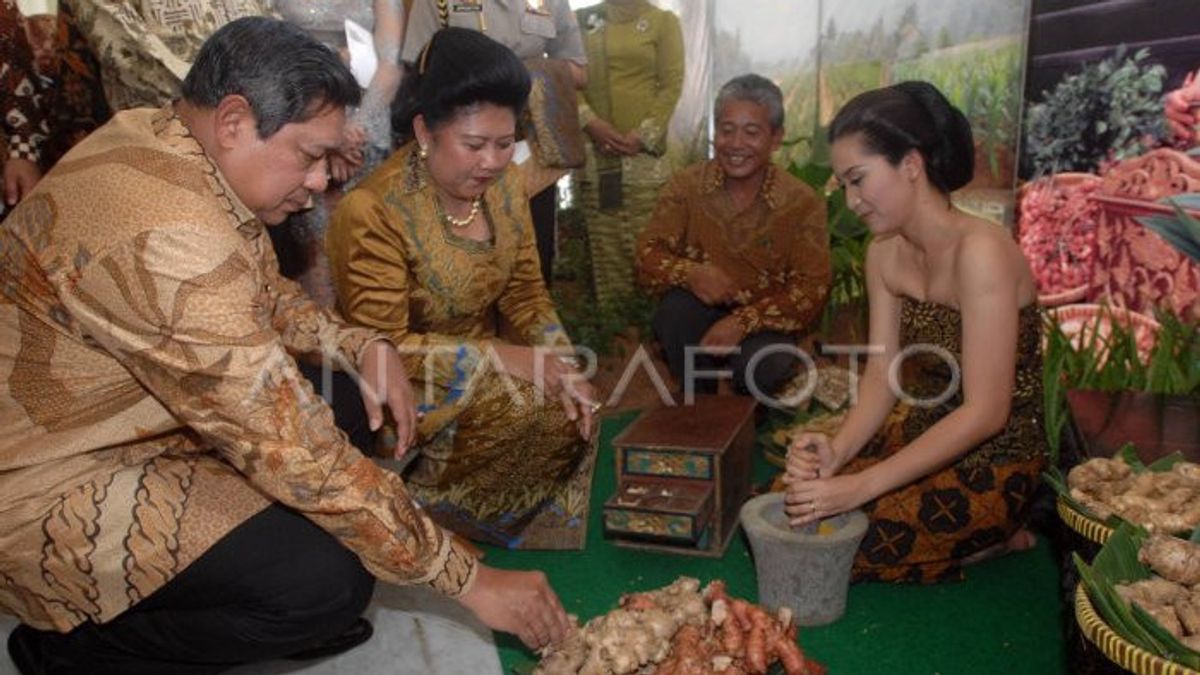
{"points": [[755, 89]]}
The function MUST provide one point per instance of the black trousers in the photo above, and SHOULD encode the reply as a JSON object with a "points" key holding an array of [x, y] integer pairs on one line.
{"points": [[275, 585], [544, 208], [681, 320], [343, 396]]}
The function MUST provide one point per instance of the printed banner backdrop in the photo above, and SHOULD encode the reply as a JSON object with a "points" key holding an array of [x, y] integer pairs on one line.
{"points": [[972, 51], [778, 40], [1069, 39], [823, 52]]}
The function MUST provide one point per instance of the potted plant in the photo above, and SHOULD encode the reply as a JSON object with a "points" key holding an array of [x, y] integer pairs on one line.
{"points": [[1120, 387]]}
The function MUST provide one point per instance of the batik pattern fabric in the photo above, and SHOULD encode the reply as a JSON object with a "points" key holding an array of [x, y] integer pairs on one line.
{"points": [[75, 100], [550, 120], [146, 48], [776, 249], [23, 119], [151, 401], [494, 454], [922, 532]]}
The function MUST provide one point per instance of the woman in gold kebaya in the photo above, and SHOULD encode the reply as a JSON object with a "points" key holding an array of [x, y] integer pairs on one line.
{"points": [[436, 249]]}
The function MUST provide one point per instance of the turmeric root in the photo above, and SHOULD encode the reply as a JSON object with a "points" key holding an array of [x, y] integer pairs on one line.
{"points": [[732, 637], [790, 656]]}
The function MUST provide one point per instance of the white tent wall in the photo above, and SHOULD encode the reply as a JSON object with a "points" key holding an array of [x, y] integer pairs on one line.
{"points": [[35, 7]]}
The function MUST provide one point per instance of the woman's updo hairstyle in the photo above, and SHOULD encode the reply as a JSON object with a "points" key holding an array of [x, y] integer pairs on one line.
{"points": [[459, 68], [912, 116]]}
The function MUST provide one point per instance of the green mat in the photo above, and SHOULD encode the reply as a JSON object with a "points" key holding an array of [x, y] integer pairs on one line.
{"points": [[1004, 619]]}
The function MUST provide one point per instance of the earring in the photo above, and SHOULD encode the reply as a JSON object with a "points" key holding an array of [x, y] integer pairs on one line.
{"points": [[423, 153]]}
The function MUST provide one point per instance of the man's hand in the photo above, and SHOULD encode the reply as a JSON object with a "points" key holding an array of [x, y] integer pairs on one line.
{"points": [[342, 167], [710, 283], [382, 381], [20, 175], [521, 603], [725, 333], [348, 159]]}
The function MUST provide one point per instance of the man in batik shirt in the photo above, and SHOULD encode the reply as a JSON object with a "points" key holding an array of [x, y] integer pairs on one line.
{"points": [[739, 251], [174, 496]]}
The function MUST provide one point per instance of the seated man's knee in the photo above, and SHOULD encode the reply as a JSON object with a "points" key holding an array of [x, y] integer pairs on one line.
{"points": [[344, 397], [329, 586], [674, 305], [770, 371]]}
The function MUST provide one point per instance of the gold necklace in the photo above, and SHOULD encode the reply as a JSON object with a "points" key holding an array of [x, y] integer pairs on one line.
{"points": [[460, 222]]}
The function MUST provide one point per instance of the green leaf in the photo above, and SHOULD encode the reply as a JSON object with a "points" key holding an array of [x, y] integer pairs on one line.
{"points": [[1176, 232], [812, 174], [1195, 538], [1117, 560], [1164, 464], [1115, 612], [1129, 454], [1055, 479], [1187, 200], [525, 668], [1169, 646]]}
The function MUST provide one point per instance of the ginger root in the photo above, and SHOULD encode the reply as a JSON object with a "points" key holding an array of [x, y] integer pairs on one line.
{"points": [[1163, 501], [1188, 610], [1172, 558], [1172, 595], [679, 630]]}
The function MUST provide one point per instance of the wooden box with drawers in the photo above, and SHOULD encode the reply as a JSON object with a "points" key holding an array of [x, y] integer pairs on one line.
{"points": [[683, 473]]}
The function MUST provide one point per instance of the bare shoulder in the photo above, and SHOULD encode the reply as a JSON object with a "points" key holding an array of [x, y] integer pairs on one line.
{"points": [[883, 262], [988, 255]]}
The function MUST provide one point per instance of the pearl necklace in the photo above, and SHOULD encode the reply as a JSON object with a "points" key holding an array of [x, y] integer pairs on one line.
{"points": [[460, 223]]}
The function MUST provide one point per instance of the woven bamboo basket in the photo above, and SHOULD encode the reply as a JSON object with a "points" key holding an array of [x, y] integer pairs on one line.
{"points": [[1119, 650], [1087, 526]]}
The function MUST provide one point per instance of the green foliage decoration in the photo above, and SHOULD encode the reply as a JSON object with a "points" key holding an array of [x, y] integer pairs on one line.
{"points": [[1110, 109]]}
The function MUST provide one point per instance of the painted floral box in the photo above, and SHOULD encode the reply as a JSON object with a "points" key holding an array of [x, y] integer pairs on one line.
{"points": [[655, 511], [688, 450]]}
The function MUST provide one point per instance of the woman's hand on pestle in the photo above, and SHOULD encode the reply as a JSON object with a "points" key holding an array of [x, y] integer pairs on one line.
{"points": [[811, 501]]}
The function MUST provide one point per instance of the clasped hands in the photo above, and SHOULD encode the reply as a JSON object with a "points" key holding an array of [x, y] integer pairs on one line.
{"points": [[814, 490], [609, 141]]}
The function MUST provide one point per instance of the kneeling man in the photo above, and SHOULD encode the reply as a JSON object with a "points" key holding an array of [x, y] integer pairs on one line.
{"points": [[738, 249]]}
